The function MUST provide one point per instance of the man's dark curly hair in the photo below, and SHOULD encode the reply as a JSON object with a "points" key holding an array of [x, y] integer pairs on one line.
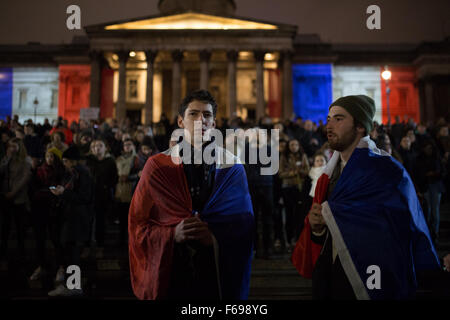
{"points": [[199, 95]]}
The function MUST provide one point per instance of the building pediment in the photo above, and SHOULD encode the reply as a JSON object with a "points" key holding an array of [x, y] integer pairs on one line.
{"points": [[191, 21]]}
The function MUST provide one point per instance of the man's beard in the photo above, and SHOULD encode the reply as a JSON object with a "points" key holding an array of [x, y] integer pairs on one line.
{"points": [[343, 142]]}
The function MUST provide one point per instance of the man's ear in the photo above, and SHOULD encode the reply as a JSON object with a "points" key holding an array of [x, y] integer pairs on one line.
{"points": [[180, 122]]}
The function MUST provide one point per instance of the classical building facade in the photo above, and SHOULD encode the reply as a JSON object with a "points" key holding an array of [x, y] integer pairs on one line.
{"points": [[141, 69]]}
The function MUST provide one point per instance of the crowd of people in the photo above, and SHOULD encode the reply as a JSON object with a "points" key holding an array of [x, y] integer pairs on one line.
{"points": [[69, 182]]}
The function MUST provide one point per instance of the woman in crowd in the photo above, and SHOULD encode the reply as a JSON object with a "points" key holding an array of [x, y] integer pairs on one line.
{"points": [[15, 174], [57, 141], [294, 168], [124, 188], [45, 208], [103, 169]]}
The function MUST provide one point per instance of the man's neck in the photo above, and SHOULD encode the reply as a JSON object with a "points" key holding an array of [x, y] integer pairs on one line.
{"points": [[347, 153]]}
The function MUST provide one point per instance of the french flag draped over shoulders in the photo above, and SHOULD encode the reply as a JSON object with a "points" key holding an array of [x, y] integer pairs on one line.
{"points": [[162, 200], [375, 219]]}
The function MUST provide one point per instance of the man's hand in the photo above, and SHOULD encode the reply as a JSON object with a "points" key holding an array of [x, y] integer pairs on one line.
{"points": [[193, 229], [447, 262], [315, 218]]}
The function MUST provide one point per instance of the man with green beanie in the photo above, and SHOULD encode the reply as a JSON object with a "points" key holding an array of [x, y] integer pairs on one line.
{"points": [[365, 235]]}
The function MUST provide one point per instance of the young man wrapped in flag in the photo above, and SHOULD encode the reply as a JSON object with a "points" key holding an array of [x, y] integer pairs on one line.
{"points": [[365, 236], [191, 224]]}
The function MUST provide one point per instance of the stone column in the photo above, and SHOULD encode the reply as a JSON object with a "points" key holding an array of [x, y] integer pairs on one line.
{"points": [[232, 101], [205, 56], [148, 107], [177, 57], [260, 104], [287, 85], [121, 107], [96, 79]]}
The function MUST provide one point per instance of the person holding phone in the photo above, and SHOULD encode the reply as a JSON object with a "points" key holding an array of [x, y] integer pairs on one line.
{"points": [[76, 193]]}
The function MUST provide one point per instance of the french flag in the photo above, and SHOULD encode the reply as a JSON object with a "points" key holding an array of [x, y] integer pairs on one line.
{"points": [[375, 219]]}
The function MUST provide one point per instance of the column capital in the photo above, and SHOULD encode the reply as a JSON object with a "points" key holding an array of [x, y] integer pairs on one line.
{"points": [[204, 55], [177, 55], [232, 55], [150, 55], [259, 55]]}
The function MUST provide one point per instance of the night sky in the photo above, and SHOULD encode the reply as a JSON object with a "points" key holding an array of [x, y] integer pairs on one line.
{"points": [[336, 21]]}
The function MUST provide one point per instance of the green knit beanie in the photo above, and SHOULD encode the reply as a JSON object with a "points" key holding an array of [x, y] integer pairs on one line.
{"points": [[361, 107]]}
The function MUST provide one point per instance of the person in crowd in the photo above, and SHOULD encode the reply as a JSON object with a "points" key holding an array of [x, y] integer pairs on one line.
{"points": [[443, 142], [84, 142], [124, 188], [422, 136], [76, 192], [57, 141], [310, 140], [191, 225], [261, 192], [364, 199], [147, 149], [103, 169], [294, 168], [46, 214], [316, 171], [139, 136], [279, 213], [15, 175], [116, 144], [429, 173], [33, 144], [408, 156]]}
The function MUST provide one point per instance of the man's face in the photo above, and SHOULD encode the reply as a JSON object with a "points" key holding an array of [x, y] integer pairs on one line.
{"points": [[200, 112], [341, 131], [405, 143], [98, 148], [28, 130], [69, 164], [85, 140], [128, 146], [411, 136], [146, 150], [308, 125], [421, 129]]}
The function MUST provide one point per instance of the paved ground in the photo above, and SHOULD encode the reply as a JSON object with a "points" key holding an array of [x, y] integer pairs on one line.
{"points": [[106, 274]]}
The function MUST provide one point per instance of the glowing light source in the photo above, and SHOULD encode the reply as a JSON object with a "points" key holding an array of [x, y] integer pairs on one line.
{"points": [[268, 56], [132, 54], [386, 74], [191, 21]]}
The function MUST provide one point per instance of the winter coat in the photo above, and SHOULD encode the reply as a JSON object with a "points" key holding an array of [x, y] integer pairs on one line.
{"points": [[77, 205], [124, 190], [15, 176]]}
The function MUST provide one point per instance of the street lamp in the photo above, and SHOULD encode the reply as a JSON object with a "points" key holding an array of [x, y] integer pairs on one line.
{"points": [[386, 75], [35, 102]]}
